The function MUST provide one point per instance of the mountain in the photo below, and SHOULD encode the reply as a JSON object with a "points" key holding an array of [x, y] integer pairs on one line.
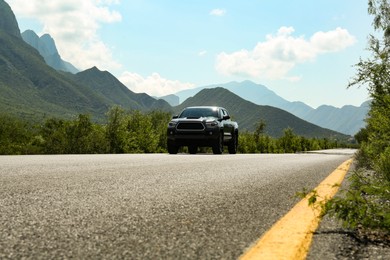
{"points": [[248, 90], [247, 114], [173, 100], [116, 93], [48, 49], [348, 120], [31, 89], [8, 21]]}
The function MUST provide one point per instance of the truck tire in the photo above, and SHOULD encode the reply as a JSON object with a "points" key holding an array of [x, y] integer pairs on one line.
{"points": [[233, 144], [218, 145]]}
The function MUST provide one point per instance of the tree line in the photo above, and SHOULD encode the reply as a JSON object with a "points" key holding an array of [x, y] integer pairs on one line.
{"points": [[127, 132]]}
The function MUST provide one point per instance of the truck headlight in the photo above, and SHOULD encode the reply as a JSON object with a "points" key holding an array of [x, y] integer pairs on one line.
{"points": [[211, 124], [172, 124]]}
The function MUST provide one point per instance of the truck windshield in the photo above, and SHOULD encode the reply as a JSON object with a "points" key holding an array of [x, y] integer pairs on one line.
{"points": [[199, 112]]}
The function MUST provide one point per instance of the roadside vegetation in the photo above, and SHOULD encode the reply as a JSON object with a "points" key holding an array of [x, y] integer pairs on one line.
{"points": [[124, 132], [129, 132], [365, 205], [260, 142]]}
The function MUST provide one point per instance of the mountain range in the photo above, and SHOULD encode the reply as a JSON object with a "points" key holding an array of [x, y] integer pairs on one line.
{"points": [[248, 114], [33, 90], [48, 49], [348, 119]]}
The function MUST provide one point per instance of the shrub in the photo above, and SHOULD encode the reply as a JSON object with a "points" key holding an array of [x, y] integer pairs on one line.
{"points": [[15, 136]]}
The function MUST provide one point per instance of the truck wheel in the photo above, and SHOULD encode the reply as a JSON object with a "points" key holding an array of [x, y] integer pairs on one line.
{"points": [[233, 144], [172, 148], [218, 145]]}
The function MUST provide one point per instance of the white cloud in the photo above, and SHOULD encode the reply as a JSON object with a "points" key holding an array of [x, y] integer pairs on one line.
{"points": [[218, 12], [280, 53], [74, 26], [153, 85], [202, 53]]}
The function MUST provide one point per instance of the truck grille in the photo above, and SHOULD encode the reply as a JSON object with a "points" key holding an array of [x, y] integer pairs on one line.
{"points": [[190, 126]]}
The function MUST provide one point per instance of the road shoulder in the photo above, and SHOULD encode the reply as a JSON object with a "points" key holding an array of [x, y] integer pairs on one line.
{"points": [[332, 241], [291, 236]]}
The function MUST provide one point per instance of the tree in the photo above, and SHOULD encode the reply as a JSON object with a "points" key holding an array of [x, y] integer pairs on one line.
{"points": [[289, 142], [84, 137], [142, 137], [54, 137], [159, 121], [116, 129], [14, 135], [78, 133]]}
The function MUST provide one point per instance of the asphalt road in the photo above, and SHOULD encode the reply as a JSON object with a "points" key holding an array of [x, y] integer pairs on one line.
{"points": [[153, 206]]}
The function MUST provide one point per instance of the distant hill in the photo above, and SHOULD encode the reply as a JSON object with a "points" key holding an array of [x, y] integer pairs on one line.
{"points": [[247, 114], [112, 89], [48, 49], [173, 100], [32, 90], [348, 120]]}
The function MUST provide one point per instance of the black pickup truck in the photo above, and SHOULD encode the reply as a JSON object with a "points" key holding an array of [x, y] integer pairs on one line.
{"points": [[202, 126]]}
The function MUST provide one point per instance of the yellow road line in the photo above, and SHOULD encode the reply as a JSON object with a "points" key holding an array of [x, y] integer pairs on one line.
{"points": [[291, 236]]}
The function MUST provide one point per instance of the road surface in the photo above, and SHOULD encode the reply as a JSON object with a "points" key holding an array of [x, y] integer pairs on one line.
{"points": [[149, 206]]}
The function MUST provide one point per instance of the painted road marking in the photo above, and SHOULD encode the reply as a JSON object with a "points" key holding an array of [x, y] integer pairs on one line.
{"points": [[291, 236]]}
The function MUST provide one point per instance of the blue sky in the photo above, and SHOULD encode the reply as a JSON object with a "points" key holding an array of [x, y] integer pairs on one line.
{"points": [[304, 50]]}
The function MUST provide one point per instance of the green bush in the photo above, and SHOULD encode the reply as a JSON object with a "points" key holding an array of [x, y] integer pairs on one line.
{"points": [[79, 136], [141, 136], [116, 130], [259, 142], [365, 204], [15, 136], [382, 167]]}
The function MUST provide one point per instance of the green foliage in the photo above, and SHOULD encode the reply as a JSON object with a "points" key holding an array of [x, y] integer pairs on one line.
{"points": [[116, 130], [15, 136], [311, 195], [367, 202], [159, 121], [382, 167], [142, 137], [136, 132], [289, 142], [54, 136], [79, 136], [259, 142], [362, 135], [128, 132], [32, 90]]}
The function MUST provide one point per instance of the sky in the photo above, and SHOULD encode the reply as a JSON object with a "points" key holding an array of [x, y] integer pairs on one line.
{"points": [[303, 50]]}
